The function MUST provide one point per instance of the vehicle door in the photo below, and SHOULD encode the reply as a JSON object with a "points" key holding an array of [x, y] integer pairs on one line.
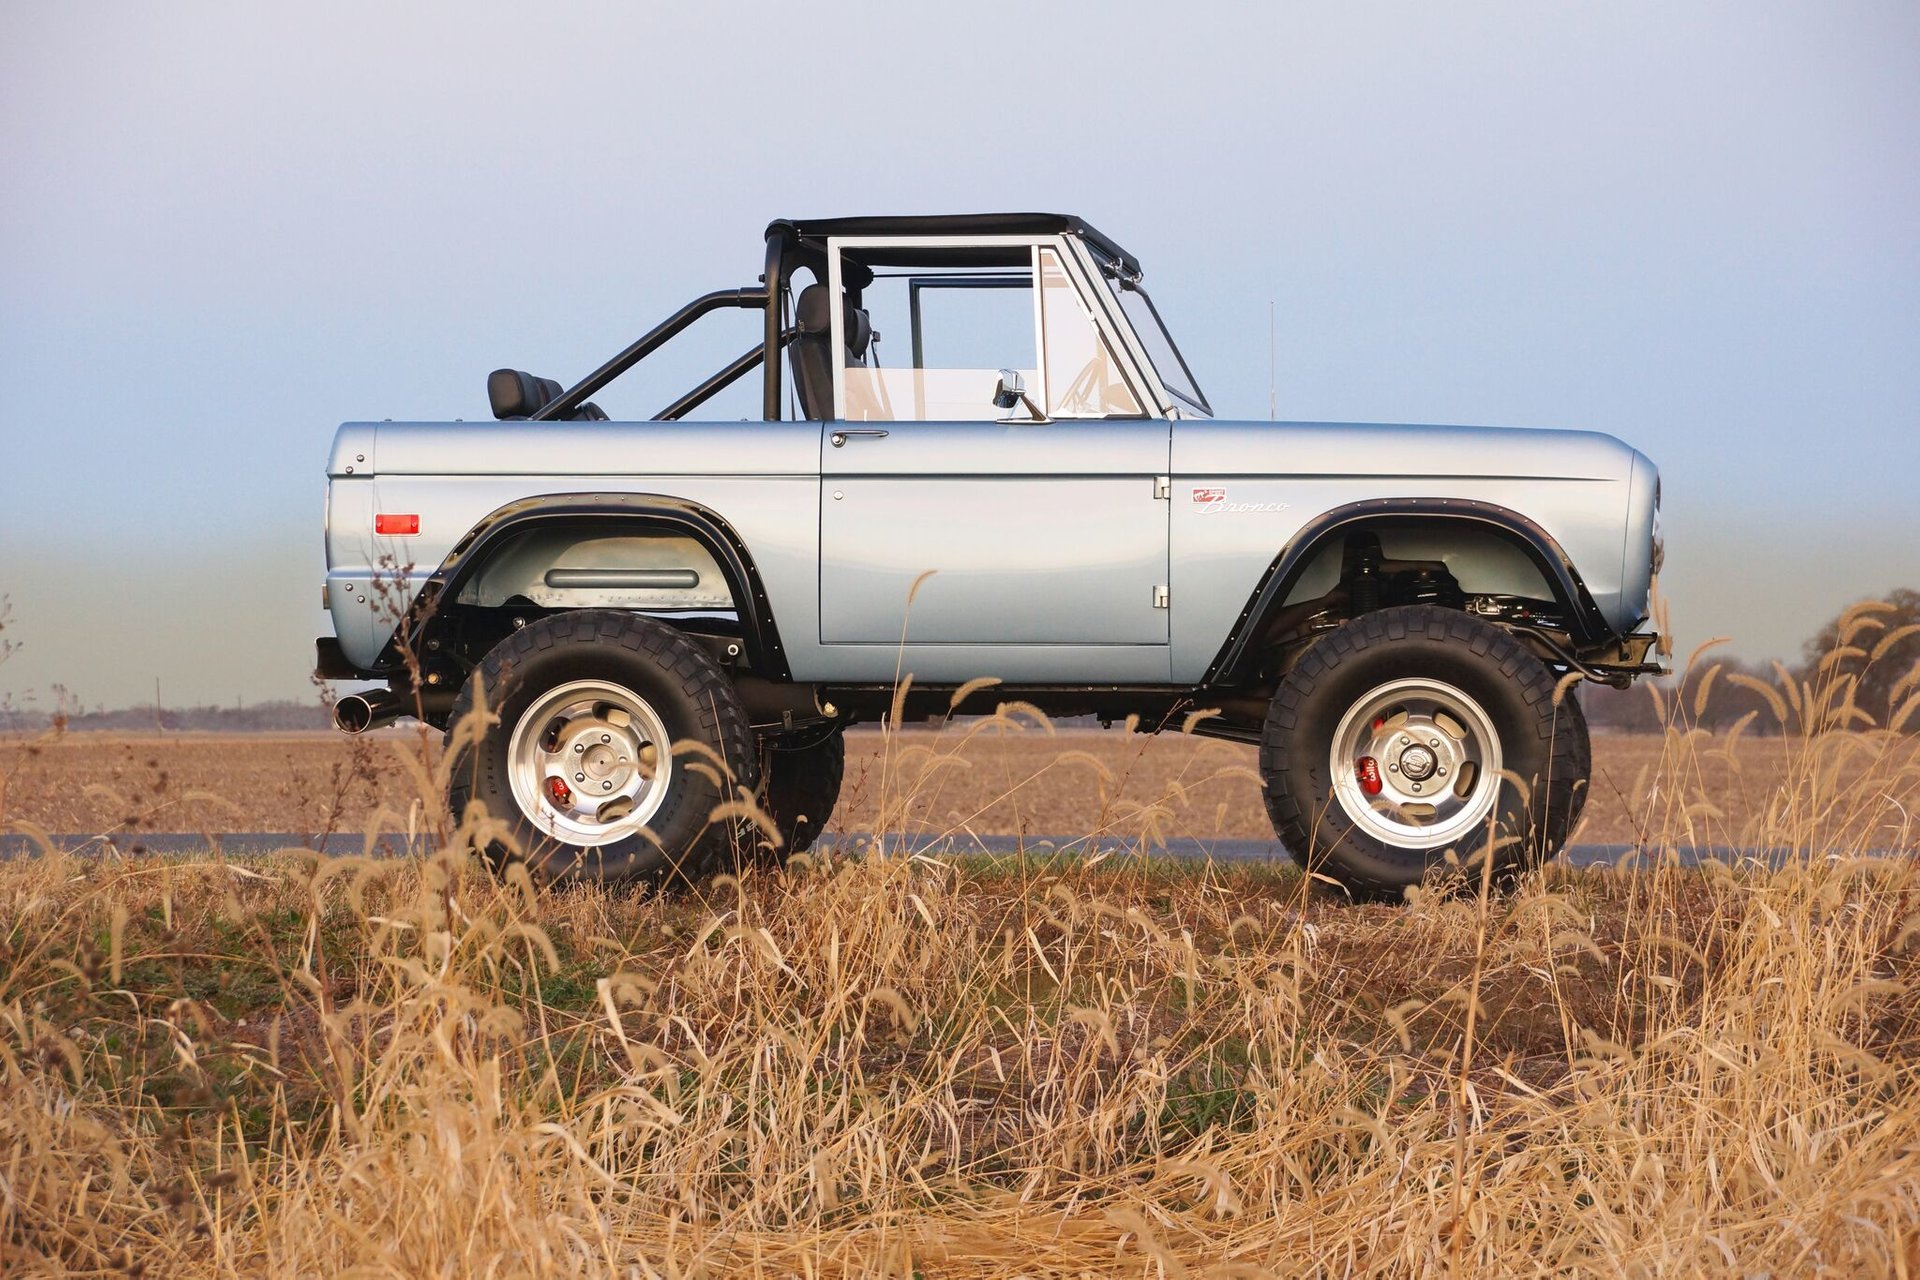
{"points": [[1017, 531]]}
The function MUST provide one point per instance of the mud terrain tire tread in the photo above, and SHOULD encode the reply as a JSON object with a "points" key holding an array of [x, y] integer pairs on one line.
{"points": [[687, 688], [1301, 718]]}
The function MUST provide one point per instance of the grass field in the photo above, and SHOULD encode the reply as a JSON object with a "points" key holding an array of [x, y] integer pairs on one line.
{"points": [[915, 1066]]}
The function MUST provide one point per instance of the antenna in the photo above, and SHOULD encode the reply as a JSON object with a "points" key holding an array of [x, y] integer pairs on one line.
{"points": [[1273, 368]]}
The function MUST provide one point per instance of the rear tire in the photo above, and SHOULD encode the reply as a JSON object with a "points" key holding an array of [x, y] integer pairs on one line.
{"points": [[616, 738], [1384, 749], [801, 786]]}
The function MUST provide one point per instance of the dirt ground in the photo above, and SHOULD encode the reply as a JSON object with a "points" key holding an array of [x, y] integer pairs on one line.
{"points": [[996, 781]]}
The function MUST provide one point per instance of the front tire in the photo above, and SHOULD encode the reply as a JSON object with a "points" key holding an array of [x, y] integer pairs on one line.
{"points": [[617, 737], [1389, 743]]}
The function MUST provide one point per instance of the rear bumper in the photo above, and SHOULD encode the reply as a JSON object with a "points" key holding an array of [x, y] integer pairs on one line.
{"points": [[331, 662]]}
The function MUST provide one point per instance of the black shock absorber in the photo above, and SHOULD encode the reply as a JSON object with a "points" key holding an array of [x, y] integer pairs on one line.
{"points": [[1360, 570], [1432, 584]]}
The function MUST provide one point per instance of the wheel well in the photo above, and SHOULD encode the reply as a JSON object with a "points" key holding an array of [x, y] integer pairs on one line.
{"points": [[1474, 557], [615, 566], [1479, 559]]}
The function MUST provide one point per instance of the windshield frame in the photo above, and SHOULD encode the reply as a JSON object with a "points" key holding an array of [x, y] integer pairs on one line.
{"points": [[1119, 281]]}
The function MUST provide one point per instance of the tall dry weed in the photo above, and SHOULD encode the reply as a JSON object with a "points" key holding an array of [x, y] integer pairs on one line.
{"points": [[907, 1063]]}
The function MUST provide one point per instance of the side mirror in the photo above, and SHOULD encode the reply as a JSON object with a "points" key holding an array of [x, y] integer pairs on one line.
{"points": [[1011, 391]]}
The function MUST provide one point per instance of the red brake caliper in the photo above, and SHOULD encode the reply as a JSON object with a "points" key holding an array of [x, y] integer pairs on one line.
{"points": [[1366, 768], [563, 794]]}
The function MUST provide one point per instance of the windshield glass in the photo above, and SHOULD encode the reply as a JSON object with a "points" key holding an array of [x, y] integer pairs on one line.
{"points": [[1153, 334]]}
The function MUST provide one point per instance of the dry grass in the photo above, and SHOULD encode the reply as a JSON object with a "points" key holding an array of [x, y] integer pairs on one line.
{"points": [[1014, 779], [900, 1065]]}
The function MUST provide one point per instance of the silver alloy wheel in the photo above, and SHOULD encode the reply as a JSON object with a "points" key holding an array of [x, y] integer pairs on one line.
{"points": [[590, 762], [1416, 764]]}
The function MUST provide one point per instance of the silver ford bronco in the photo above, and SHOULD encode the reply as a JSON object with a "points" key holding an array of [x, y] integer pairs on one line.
{"points": [[1022, 482]]}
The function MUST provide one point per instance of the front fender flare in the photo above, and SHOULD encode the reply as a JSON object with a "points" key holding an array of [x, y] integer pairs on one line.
{"points": [[1587, 625]]}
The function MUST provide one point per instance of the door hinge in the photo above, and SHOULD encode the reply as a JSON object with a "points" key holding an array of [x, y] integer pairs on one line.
{"points": [[1159, 597], [1163, 486]]}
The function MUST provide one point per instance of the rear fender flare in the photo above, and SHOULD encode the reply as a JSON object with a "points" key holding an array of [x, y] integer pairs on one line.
{"points": [[623, 513]]}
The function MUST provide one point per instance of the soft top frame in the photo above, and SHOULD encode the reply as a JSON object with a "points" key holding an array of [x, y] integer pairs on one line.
{"points": [[813, 233]]}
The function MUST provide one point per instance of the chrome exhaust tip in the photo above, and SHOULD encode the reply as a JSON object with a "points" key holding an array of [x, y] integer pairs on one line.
{"points": [[359, 712]]}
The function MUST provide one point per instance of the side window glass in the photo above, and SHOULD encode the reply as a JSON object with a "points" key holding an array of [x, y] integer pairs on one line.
{"points": [[1083, 378], [939, 338], [927, 343]]}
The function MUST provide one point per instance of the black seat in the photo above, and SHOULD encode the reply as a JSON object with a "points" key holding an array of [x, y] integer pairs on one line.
{"points": [[514, 394], [812, 349]]}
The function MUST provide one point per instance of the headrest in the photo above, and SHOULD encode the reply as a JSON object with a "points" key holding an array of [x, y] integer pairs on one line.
{"points": [[859, 333], [515, 394], [813, 314], [812, 310]]}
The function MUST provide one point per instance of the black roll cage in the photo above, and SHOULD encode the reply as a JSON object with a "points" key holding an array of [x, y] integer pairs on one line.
{"points": [[768, 295], [791, 245]]}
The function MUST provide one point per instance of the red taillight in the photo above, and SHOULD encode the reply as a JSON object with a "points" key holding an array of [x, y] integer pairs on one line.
{"points": [[563, 794], [393, 525], [1368, 772]]}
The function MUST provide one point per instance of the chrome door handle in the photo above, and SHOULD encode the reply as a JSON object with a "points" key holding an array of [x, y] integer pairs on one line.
{"points": [[839, 438]]}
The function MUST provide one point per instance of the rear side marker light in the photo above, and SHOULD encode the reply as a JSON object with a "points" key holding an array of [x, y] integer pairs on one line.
{"points": [[396, 525]]}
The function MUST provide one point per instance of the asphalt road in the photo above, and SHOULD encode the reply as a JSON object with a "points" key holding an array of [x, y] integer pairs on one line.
{"points": [[395, 844]]}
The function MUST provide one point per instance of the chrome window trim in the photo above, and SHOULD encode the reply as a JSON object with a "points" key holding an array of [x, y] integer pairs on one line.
{"points": [[1039, 329], [837, 330]]}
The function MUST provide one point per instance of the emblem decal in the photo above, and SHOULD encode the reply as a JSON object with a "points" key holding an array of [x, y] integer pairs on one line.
{"points": [[1213, 502]]}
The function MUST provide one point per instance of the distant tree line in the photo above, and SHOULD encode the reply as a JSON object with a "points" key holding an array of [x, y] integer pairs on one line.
{"points": [[1860, 670], [262, 717], [1636, 710]]}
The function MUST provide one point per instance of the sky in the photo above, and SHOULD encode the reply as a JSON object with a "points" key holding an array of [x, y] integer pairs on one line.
{"points": [[224, 229]]}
